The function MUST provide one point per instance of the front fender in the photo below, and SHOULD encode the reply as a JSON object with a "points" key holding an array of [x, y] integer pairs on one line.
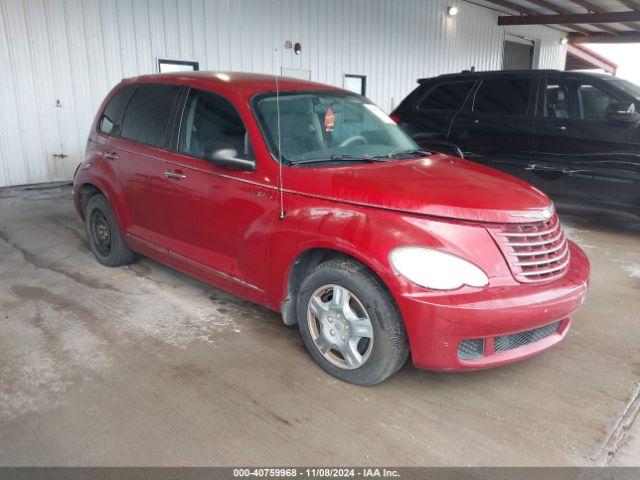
{"points": [[369, 235]]}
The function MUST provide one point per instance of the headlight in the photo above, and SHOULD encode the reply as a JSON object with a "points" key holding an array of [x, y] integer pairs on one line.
{"points": [[436, 270]]}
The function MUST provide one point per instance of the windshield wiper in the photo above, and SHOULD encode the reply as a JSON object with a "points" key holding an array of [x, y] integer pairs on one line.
{"points": [[339, 158], [409, 153]]}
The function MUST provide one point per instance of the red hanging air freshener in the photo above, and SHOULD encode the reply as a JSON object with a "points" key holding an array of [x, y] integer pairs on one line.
{"points": [[329, 120]]}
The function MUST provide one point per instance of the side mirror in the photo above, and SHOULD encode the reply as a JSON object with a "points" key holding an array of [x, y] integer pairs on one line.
{"points": [[228, 158], [623, 112]]}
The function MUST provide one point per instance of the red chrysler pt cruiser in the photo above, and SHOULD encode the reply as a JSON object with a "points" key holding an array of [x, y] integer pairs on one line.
{"points": [[311, 201]]}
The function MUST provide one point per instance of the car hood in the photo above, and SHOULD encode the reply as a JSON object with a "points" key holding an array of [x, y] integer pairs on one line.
{"points": [[439, 185]]}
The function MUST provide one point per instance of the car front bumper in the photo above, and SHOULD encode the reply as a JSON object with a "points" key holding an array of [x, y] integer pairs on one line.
{"points": [[508, 321]]}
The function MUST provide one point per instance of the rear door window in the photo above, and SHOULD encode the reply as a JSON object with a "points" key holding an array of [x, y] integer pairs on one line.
{"points": [[146, 117], [110, 119], [448, 96], [503, 96]]}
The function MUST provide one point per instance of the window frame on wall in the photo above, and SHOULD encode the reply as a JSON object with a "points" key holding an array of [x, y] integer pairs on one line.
{"points": [[163, 61], [363, 83]]}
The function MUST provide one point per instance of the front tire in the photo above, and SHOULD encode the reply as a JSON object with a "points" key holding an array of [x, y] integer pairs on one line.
{"points": [[350, 323], [104, 234]]}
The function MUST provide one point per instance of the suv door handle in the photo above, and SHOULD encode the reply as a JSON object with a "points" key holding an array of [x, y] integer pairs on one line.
{"points": [[555, 126], [545, 168], [111, 156], [178, 175]]}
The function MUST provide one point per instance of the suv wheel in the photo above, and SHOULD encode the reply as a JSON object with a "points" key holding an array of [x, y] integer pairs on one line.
{"points": [[104, 235], [350, 323]]}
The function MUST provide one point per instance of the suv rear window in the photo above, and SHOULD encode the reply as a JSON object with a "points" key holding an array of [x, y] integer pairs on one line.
{"points": [[146, 117], [113, 111], [503, 96], [448, 96]]}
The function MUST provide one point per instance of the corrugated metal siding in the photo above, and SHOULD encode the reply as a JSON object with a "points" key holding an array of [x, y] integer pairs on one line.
{"points": [[74, 51]]}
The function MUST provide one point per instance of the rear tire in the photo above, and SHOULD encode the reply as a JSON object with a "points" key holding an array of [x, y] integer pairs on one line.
{"points": [[104, 234], [350, 323]]}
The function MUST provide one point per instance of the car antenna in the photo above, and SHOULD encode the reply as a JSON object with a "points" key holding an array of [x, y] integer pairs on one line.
{"points": [[280, 186]]}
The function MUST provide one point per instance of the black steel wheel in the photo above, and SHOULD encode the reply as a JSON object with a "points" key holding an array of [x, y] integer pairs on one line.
{"points": [[104, 234]]}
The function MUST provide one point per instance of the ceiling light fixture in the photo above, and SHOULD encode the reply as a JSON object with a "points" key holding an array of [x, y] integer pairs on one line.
{"points": [[452, 11]]}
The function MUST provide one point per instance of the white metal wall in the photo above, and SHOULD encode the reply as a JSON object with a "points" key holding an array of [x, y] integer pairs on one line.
{"points": [[58, 58]]}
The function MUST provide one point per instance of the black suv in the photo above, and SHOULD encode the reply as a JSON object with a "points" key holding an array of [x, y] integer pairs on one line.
{"points": [[574, 135]]}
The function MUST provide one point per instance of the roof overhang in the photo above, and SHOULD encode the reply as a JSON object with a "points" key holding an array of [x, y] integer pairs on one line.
{"points": [[583, 21], [582, 58]]}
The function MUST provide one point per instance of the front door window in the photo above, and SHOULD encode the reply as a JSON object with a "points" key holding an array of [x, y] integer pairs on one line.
{"points": [[576, 100], [211, 123]]}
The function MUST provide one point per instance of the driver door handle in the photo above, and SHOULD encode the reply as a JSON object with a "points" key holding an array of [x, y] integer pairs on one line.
{"points": [[111, 156], [178, 175]]}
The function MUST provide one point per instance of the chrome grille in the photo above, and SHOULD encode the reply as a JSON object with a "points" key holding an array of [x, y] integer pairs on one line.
{"points": [[535, 252], [515, 340]]}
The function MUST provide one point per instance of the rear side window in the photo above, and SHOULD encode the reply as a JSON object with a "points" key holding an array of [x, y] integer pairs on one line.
{"points": [[502, 96], [211, 123], [448, 96], [109, 121], [146, 117]]}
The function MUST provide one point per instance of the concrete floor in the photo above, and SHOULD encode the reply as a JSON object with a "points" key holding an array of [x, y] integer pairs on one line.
{"points": [[141, 365]]}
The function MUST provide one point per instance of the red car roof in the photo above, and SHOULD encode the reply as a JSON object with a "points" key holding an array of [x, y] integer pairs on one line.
{"points": [[248, 82]]}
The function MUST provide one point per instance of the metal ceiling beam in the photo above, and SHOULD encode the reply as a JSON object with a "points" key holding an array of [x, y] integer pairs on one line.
{"points": [[601, 37], [558, 9], [591, 7], [582, 56], [608, 17], [513, 6], [630, 4], [545, 4]]}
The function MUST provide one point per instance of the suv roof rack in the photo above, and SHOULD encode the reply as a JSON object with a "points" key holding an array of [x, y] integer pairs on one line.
{"points": [[490, 73]]}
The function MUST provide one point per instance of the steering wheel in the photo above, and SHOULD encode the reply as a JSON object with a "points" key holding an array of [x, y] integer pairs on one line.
{"points": [[353, 139]]}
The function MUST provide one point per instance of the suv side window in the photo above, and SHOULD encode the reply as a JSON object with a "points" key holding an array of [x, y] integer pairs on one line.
{"points": [[109, 121], [448, 96], [146, 117], [503, 96], [576, 100], [211, 122]]}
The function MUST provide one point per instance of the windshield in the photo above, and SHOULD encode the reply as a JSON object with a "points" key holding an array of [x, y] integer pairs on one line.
{"points": [[330, 126], [627, 86]]}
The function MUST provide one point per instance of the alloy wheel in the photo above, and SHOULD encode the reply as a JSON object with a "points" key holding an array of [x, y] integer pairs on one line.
{"points": [[340, 326]]}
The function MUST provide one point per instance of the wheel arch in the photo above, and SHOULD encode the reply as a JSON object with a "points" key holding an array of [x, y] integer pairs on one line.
{"points": [[92, 187], [85, 192], [305, 262]]}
